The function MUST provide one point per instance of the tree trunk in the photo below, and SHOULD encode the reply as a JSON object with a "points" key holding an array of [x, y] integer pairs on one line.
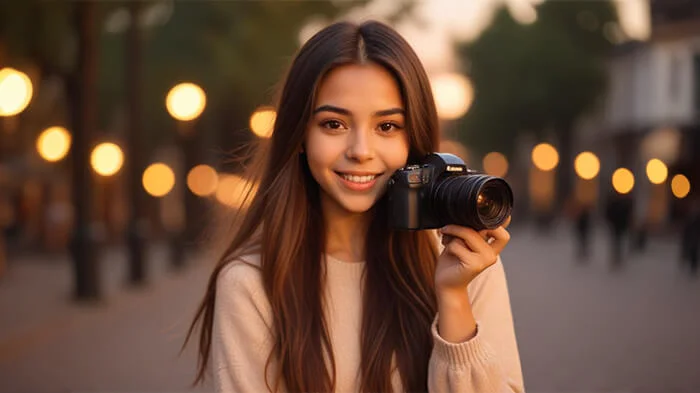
{"points": [[81, 92], [135, 160]]}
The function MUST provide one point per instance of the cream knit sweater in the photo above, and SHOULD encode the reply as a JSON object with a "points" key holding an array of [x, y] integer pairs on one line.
{"points": [[241, 340]]}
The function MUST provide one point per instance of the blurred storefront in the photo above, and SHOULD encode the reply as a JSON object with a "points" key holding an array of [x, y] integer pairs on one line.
{"points": [[652, 111]]}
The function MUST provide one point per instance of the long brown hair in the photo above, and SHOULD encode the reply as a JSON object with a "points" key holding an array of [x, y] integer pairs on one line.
{"points": [[284, 217]]}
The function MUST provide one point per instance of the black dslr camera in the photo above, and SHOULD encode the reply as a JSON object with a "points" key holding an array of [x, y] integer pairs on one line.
{"points": [[441, 190]]}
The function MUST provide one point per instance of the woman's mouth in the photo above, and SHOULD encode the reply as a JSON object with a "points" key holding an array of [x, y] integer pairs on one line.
{"points": [[357, 182]]}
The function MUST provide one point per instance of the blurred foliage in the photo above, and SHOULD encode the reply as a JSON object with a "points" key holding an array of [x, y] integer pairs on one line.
{"points": [[236, 50], [536, 78]]}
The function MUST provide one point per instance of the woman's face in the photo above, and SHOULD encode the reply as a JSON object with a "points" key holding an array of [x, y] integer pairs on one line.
{"points": [[356, 136]]}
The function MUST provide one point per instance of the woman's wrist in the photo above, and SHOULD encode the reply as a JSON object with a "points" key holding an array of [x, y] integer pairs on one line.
{"points": [[456, 321]]}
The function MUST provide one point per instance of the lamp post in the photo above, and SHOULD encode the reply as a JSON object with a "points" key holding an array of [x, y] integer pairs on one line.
{"points": [[158, 180], [185, 102], [106, 160], [542, 184], [15, 94]]}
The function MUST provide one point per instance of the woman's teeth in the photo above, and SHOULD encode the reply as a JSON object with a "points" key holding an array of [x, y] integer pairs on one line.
{"points": [[358, 179]]}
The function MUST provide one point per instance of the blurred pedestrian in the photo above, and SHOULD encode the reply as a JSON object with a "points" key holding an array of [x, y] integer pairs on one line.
{"points": [[618, 214], [580, 213], [316, 292], [690, 238]]}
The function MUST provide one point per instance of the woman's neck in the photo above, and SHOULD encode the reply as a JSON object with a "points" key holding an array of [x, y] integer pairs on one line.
{"points": [[346, 233]]}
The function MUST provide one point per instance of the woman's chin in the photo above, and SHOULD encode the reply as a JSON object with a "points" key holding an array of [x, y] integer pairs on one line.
{"points": [[357, 207]]}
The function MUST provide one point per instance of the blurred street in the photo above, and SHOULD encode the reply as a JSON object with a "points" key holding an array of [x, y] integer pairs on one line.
{"points": [[129, 342], [581, 327]]}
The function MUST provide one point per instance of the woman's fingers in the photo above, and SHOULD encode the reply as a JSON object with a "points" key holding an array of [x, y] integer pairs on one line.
{"points": [[459, 250], [471, 238], [489, 242], [500, 237]]}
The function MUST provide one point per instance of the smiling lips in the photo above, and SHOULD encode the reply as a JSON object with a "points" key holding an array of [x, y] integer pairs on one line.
{"points": [[358, 181]]}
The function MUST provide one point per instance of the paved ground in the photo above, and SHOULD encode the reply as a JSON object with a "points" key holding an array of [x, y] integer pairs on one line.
{"points": [[581, 328], [584, 328]]}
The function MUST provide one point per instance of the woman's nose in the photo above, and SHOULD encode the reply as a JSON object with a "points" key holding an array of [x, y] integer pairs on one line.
{"points": [[360, 146]]}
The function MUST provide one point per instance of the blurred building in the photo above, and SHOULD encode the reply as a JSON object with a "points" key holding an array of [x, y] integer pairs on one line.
{"points": [[652, 109]]}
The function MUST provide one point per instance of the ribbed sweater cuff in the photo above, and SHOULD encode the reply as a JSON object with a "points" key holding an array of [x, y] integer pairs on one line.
{"points": [[472, 351]]}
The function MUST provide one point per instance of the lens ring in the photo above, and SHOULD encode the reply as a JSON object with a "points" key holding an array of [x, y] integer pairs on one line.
{"points": [[455, 200], [498, 205]]}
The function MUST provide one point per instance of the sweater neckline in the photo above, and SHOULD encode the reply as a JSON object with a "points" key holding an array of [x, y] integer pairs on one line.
{"points": [[333, 259], [343, 268]]}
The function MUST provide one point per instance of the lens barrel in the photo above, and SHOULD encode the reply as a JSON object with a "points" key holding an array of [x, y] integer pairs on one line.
{"points": [[476, 201]]}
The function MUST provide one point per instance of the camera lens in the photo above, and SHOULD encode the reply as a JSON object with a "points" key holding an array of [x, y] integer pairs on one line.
{"points": [[476, 201], [494, 202]]}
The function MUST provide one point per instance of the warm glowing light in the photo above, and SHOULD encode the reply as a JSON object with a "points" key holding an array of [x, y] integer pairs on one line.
{"points": [[680, 186], [186, 101], [262, 121], [495, 164], [202, 180], [107, 159], [522, 12], [234, 191], [635, 18], [53, 144], [158, 179], [15, 91], [623, 180], [545, 157], [454, 147], [453, 95], [587, 165], [657, 172]]}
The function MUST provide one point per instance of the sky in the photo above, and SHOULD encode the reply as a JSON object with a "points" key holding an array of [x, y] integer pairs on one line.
{"points": [[439, 22]]}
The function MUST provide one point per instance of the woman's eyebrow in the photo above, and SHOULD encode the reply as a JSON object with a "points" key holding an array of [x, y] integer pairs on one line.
{"points": [[342, 111], [387, 112], [331, 108]]}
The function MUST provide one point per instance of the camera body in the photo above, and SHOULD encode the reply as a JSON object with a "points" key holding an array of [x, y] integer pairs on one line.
{"points": [[441, 190]]}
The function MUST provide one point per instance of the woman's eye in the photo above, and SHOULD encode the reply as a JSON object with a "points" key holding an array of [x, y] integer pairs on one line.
{"points": [[388, 127], [332, 124]]}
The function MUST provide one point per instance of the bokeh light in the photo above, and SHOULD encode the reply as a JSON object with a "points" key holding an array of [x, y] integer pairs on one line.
{"points": [[234, 191], [623, 180], [663, 143], [107, 159], [587, 165], [186, 101], [495, 164], [545, 157], [15, 91], [158, 179], [53, 143], [456, 148], [680, 186], [262, 121], [523, 12], [202, 180], [453, 95], [657, 172]]}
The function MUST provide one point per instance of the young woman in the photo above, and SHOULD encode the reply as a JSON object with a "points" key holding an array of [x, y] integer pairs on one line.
{"points": [[316, 293]]}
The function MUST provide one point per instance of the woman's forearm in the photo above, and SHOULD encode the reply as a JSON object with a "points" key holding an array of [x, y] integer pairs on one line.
{"points": [[456, 321]]}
